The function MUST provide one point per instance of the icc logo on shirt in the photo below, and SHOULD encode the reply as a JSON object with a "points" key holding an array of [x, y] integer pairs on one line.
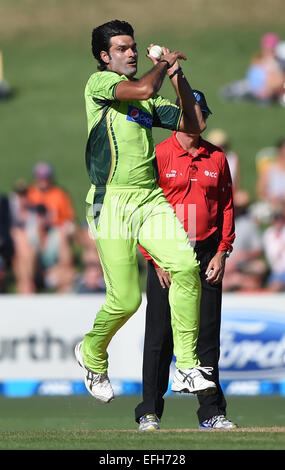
{"points": [[212, 174]]}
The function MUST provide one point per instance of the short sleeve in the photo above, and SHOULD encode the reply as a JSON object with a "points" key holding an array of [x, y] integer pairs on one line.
{"points": [[166, 114], [102, 85]]}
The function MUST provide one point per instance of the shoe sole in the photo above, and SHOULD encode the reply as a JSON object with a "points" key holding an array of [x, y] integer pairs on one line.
{"points": [[78, 355], [150, 428], [202, 428], [206, 391]]}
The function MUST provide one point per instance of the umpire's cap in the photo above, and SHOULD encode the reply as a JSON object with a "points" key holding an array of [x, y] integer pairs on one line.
{"points": [[200, 98]]}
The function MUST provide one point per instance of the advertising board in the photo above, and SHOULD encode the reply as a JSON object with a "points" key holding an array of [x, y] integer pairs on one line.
{"points": [[38, 334]]}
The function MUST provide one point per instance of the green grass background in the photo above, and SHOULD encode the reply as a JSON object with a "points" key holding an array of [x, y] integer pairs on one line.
{"points": [[84, 423], [47, 61]]}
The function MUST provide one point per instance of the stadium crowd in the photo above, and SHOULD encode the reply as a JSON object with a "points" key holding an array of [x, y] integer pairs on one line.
{"points": [[43, 249]]}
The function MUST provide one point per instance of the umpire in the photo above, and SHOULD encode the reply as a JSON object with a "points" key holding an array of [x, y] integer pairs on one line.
{"points": [[193, 173]]}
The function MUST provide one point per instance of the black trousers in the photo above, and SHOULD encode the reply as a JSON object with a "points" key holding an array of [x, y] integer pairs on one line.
{"points": [[158, 342]]}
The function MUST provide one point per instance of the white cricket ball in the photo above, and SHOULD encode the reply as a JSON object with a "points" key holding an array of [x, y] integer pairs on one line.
{"points": [[156, 52]]}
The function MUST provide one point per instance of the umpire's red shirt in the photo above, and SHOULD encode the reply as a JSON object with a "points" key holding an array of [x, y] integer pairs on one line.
{"points": [[199, 188]]}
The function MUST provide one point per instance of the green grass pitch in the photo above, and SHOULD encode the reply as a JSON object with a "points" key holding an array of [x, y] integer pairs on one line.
{"points": [[82, 423]]}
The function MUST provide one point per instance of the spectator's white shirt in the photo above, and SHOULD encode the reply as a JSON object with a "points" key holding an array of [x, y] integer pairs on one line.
{"points": [[248, 236], [274, 248]]}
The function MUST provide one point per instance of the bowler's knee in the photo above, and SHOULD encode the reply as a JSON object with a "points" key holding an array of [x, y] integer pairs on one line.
{"points": [[188, 265], [131, 303]]}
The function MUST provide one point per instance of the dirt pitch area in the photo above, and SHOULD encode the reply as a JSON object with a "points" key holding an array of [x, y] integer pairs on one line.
{"points": [[253, 429]]}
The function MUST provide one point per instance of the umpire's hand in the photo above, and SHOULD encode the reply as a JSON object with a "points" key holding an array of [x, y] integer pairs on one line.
{"points": [[216, 268]]}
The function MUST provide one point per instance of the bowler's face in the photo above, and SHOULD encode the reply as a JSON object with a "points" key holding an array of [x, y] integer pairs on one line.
{"points": [[123, 56]]}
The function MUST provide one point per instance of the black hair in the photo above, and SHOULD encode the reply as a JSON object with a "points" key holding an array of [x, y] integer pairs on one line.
{"points": [[102, 34]]}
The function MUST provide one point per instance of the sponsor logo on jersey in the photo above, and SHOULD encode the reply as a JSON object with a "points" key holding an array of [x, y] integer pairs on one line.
{"points": [[140, 117]]}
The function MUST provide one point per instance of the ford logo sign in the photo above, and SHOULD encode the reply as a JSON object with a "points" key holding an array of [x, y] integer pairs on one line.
{"points": [[252, 345]]}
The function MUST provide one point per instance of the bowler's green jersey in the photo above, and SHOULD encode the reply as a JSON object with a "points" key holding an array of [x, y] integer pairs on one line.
{"points": [[120, 148], [126, 207]]}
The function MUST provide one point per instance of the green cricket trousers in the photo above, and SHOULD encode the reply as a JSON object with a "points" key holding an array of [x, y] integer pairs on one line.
{"points": [[120, 218]]}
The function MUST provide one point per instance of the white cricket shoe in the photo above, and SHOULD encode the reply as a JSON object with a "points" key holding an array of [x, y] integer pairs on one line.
{"points": [[218, 422], [97, 384], [192, 381]]}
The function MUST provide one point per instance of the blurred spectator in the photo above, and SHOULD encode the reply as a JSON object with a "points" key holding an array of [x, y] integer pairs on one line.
{"points": [[54, 198], [19, 204], [261, 209], [264, 80], [87, 245], [265, 157], [45, 260], [221, 139], [280, 57], [265, 75], [40, 233], [245, 268], [271, 181], [274, 247], [20, 215], [91, 279], [5, 89], [280, 54], [6, 243]]}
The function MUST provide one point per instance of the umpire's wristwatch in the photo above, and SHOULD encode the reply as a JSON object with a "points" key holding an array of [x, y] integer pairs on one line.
{"points": [[228, 252]]}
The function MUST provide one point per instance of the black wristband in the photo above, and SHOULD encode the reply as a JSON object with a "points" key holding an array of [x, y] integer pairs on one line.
{"points": [[164, 60], [175, 72]]}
